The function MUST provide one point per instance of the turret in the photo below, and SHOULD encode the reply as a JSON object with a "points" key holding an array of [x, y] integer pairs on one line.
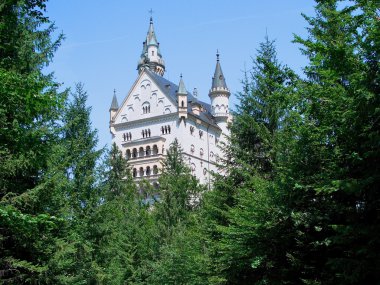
{"points": [[151, 55], [113, 110], [114, 107], [219, 94], [182, 99]]}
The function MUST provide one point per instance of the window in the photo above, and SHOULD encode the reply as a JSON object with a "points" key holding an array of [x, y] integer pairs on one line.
{"points": [[165, 130], [204, 171], [146, 108], [127, 136], [153, 52], [192, 167], [146, 133], [134, 173], [200, 133], [155, 169], [192, 130], [128, 154], [148, 171], [182, 104], [192, 148], [201, 152]]}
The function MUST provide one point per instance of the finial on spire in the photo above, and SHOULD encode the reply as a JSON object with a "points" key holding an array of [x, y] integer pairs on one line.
{"points": [[217, 55], [114, 91], [180, 75], [151, 15]]}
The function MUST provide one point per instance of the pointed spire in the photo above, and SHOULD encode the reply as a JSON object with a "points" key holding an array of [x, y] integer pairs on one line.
{"points": [[151, 36], [151, 55], [218, 81], [181, 87], [114, 104]]}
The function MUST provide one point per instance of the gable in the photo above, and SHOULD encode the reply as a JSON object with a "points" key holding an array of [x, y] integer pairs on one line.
{"points": [[145, 99]]}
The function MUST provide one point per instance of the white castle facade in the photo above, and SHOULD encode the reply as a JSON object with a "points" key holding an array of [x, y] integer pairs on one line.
{"points": [[156, 111]]}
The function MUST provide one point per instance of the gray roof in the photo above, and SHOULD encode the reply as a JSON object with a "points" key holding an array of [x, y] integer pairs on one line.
{"points": [[114, 104], [181, 87], [170, 89], [218, 80], [151, 36]]}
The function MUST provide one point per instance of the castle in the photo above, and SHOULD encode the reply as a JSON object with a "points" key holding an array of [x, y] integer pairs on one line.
{"points": [[156, 111]]}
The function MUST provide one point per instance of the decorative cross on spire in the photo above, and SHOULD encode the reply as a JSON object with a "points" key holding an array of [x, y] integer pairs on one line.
{"points": [[114, 91], [217, 55], [151, 14]]}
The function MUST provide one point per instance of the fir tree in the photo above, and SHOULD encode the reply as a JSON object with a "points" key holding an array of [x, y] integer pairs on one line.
{"points": [[30, 105]]}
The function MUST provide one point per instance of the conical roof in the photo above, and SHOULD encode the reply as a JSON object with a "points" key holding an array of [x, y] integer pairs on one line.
{"points": [[181, 87], [151, 36], [114, 104], [218, 81]]}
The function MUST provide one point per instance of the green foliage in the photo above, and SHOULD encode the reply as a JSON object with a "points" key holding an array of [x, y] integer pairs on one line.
{"points": [[179, 191], [29, 106]]}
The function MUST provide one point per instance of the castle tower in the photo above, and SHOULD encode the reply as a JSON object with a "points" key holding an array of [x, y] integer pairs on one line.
{"points": [[219, 94], [113, 110], [182, 99], [151, 55]]}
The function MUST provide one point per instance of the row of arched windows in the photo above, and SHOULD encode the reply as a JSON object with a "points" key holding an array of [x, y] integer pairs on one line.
{"points": [[127, 136], [146, 133], [141, 152], [165, 130], [192, 149], [148, 171]]}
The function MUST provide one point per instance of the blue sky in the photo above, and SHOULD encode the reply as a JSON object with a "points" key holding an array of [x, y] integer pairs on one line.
{"points": [[104, 41]]}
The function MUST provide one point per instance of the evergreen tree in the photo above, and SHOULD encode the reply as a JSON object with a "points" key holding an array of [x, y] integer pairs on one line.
{"points": [[178, 191], [333, 164], [246, 219], [74, 261], [29, 107]]}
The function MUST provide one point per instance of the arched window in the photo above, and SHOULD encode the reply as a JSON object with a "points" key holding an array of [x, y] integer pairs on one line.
{"points": [[148, 150], [169, 129], [166, 129], [201, 151], [143, 133], [134, 173], [152, 52], [155, 169], [148, 132], [124, 137], [192, 167], [182, 104], [155, 150], [162, 130], [141, 172], [146, 107], [147, 171], [141, 152], [134, 153], [192, 148], [128, 153], [130, 136]]}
